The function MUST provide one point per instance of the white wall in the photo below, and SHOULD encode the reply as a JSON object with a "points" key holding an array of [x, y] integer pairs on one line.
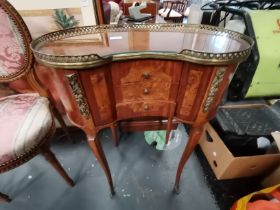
{"points": [[86, 6]]}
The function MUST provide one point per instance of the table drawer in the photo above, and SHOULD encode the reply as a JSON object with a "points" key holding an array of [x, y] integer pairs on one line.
{"points": [[146, 70], [143, 109], [145, 91]]}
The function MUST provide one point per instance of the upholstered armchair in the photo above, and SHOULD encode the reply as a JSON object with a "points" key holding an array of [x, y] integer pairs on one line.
{"points": [[26, 120]]}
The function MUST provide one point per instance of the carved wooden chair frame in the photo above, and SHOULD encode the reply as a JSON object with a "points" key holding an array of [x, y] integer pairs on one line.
{"points": [[30, 75]]}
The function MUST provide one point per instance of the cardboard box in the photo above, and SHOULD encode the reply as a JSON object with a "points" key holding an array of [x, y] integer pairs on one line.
{"points": [[226, 166], [274, 177]]}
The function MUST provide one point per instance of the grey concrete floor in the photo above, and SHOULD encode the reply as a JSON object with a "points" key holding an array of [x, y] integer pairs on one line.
{"points": [[143, 178]]}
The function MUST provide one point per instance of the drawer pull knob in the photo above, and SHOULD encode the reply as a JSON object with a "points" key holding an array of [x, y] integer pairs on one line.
{"points": [[146, 75], [146, 91], [146, 107]]}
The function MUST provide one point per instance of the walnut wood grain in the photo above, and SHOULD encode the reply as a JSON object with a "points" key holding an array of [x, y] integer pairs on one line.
{"points": [[194, 82], [146, 124], [202, 116], [134, 44], [137, 89], [60, 89], [145, 91], [176, 72], [146, 70], [94, 143], [143, 109], [99, 94], [194, 136]]}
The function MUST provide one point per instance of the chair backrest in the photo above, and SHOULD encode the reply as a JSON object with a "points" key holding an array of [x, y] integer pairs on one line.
{"points": [[178, 5], [181, 6], [16, 57]]}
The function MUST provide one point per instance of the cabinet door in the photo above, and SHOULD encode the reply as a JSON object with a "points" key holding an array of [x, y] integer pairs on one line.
{"points": [[97, 84], [193, 86]]}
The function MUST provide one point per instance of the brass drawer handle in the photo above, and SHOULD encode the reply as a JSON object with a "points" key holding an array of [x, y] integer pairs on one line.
{"points": [[146, 107], [146, 75], [146, 91]]}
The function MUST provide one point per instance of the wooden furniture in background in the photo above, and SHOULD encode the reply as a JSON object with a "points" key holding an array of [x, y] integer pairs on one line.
{"points": [[174, 10], [178, 73], [100, 18], [26, 120]]}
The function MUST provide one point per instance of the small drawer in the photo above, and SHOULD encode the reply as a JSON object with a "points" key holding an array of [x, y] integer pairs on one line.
{"points": [[146, 70], [143, 109], [145, 91]]}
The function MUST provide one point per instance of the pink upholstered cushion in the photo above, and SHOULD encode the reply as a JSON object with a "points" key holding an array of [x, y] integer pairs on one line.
{"points": [[11, 46], [25, 119]]}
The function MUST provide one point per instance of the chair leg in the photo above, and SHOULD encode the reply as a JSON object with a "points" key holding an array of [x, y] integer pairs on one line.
{"points": [[4, 198], [50, 157]]}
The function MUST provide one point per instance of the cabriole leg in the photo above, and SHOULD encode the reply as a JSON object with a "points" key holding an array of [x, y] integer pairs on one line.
{"points": [[195, 134], [97, 150]]}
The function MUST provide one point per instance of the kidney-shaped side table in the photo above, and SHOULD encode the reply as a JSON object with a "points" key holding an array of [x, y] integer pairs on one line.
{"points": [[105, 75]]}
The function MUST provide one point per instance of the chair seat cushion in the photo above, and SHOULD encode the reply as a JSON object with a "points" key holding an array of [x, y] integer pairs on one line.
{"points": [[25, 120]]}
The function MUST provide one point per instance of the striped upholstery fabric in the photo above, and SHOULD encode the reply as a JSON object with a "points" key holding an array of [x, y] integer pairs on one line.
{"points": [[25, 119]]}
